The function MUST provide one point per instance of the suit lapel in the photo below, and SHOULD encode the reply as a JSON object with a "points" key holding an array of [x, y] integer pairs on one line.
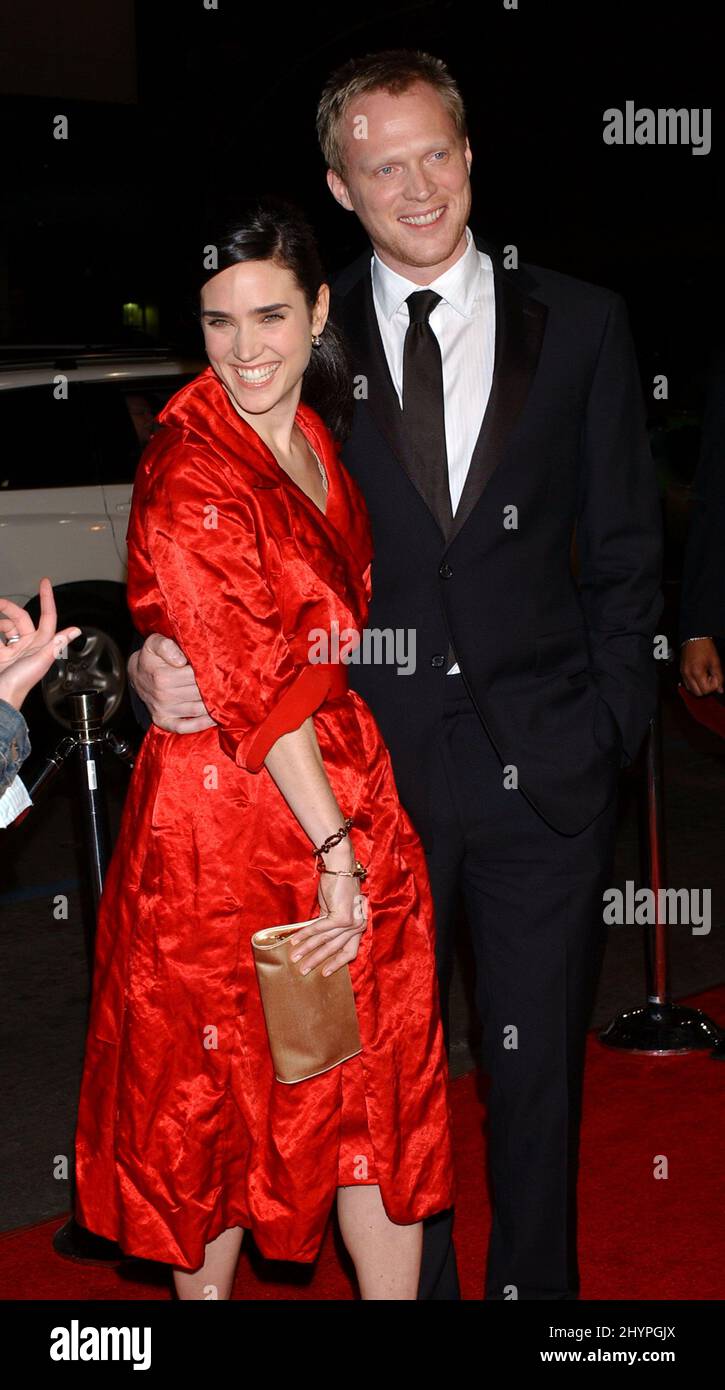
{"points": [[520, 325], [369, 362]]}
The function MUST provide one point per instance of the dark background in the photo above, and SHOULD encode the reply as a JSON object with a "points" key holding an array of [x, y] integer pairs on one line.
{"points": [[177, 112], [210, 106]]}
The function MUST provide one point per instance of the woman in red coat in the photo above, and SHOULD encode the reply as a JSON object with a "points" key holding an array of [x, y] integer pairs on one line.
{"points": [[247, 538]]}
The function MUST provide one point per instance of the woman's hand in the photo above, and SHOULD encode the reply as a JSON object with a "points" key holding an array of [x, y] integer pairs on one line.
{"points": [[295, 763], [30, 652], [336, 938]]}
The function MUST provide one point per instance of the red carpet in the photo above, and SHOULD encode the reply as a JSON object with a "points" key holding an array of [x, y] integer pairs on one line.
{"points": [[639, 1237]]}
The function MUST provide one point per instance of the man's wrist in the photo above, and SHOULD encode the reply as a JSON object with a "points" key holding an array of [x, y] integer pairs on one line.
{"points": [[130, 668], [709, 638], [141, 711]]}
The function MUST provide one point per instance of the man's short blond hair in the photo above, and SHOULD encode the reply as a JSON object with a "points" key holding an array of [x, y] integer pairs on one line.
{"points": [[393, 70]]}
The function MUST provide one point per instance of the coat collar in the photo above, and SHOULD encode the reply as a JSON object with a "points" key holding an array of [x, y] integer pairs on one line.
{"points": [[203, 412], [520, 326]]}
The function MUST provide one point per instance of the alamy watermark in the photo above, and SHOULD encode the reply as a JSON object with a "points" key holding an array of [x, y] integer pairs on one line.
{"points": [[78, 1342], [374, 646], [643, 907], [667, 125]]}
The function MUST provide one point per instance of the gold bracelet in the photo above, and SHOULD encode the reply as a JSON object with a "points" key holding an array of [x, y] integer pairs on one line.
{"points": [[358, 872]]}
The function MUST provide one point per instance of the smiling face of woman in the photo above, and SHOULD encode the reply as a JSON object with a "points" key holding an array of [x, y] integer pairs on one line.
{"points": [[258, 333]]}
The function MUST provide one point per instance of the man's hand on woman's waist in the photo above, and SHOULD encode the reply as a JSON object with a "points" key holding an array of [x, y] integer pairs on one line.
{"points": [[161, 676]]}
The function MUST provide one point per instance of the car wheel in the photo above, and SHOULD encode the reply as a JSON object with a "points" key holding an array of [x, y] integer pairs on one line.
{"points": [[95, 661]]}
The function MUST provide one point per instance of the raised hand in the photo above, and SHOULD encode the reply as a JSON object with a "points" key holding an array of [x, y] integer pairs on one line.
{"points": [[27, 652]]}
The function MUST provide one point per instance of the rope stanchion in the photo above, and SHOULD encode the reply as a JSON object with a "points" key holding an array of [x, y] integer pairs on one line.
{"points": [[88, 741], [660, 1027]]}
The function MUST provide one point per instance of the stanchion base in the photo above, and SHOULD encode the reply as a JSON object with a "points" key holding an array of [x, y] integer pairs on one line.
{"points": [[74, 1242], [662, 1030]]}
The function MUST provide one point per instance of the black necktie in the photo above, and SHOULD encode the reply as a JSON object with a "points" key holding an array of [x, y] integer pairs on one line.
{"points": [[423, 406]]}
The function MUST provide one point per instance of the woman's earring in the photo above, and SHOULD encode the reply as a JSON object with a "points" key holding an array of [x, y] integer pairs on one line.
{"points": [[315, 340]]}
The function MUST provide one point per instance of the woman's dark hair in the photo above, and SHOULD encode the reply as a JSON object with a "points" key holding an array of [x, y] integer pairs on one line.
{"points": [[274, 229]]}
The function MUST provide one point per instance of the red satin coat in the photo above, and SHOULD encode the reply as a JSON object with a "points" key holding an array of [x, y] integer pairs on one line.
{"points": [[182, 1128]]}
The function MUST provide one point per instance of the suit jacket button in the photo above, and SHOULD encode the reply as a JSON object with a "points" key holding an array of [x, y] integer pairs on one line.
{"points": [[445, 570], [438, 660]]}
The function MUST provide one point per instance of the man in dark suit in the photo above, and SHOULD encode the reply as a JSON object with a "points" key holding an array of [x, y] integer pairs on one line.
{"points": [[498, 411]]}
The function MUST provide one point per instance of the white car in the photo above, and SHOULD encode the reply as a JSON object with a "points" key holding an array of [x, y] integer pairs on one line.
{"points": [[74, 422]]}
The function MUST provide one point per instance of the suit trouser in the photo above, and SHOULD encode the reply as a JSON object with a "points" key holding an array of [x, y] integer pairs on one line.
{"points": [[533, 903]]}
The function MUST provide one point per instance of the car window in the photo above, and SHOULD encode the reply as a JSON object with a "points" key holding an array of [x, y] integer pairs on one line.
{"points": [[124, 419], [44, 442]]}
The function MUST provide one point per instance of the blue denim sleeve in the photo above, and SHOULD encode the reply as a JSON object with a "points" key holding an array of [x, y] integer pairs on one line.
{"points": [[14, 743]]}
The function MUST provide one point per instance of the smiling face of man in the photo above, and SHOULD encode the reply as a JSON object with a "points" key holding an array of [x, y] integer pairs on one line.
{"points": [[408, 179]]}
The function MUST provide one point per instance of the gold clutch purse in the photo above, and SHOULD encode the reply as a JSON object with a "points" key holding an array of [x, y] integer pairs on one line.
{"points": [[311, 1020]]}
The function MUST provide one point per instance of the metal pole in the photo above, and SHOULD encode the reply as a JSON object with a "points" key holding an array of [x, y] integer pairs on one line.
{"points": [[658, 952], [660, 1028], [72, 1239]]}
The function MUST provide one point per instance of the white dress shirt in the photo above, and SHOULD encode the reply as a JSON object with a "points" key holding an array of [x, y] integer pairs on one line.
{"points": [[464, 322]]}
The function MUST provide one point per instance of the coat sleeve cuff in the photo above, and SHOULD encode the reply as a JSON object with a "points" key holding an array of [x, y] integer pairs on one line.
{"points": [[301, 699]]}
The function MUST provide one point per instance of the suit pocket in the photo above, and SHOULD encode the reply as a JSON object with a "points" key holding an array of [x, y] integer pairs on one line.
{"points": [[565, 652]]}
